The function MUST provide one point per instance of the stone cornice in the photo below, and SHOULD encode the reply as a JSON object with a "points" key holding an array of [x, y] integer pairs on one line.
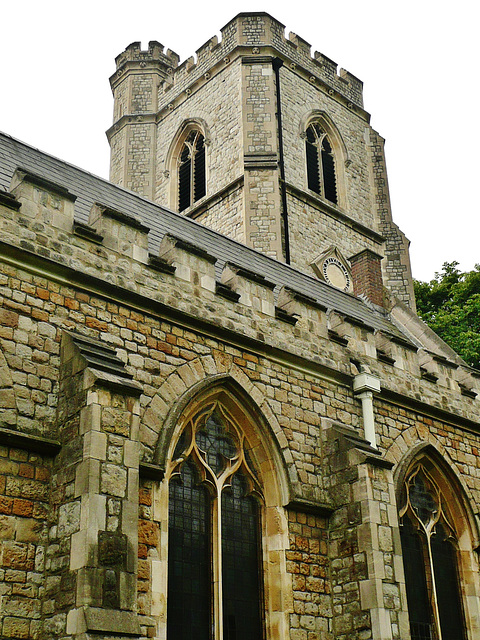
{"points": [[43, 183], [131, 119], [308, 506]]}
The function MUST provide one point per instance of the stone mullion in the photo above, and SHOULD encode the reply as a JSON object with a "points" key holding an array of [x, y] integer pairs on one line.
{"points": [[436, 612], [217, 565]]}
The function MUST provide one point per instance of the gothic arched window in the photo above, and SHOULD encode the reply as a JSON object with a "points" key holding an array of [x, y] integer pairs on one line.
{"points": [[429, 547], [214, 555], [191, 170], [321, 175]]}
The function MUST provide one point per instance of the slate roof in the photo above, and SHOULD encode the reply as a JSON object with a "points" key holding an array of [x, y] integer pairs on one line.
{"points": [[89, 189]]}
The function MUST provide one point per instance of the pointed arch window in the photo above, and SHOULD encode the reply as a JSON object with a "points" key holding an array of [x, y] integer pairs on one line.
{"points": [[214, 555], [191, 170], [321, 174], [429, 547]]}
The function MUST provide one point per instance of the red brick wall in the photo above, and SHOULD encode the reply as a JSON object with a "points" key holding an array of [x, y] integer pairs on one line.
{"points": [[24, 490]]}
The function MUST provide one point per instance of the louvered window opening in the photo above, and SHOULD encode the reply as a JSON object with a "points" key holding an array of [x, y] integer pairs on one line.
{"points": [[214, 559], [191, 171], [430, 561], [321, 175]]}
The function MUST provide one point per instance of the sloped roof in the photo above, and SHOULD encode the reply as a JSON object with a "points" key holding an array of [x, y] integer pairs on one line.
{"points": [[89, 189]]}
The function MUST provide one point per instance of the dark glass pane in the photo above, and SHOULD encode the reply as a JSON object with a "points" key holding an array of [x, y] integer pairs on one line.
{"points": [[326, 145], [199, 171], [240, 565], [216, 443], [311, 135], [329, 179], [184, 181], [313, 176], [180, 446], [447, 586], [250, 464], [191, 137], [189, 575], [419, 611], [422, 500]]}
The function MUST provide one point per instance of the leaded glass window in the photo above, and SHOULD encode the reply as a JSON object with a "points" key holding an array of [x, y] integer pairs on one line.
{"points": [[321, 175], [240, 570], [189, 579], [430, 561], [214, 572]]}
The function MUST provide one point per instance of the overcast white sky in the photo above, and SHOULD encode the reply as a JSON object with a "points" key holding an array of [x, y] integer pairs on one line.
{"points": [[418, 60]]}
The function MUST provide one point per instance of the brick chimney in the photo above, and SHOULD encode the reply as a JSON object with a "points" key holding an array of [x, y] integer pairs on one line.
{"points": [[367, 276]]}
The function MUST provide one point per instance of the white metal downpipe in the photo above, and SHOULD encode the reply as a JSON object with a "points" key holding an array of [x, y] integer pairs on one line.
{"points": [[365, 385]]}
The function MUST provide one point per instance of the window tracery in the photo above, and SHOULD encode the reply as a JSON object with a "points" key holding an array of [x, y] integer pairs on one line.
{"points": [[214, 584], [429, 547], [321, 172]]}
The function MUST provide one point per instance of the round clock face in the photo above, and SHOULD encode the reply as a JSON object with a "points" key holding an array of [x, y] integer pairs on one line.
{"points": [[336, 274]]}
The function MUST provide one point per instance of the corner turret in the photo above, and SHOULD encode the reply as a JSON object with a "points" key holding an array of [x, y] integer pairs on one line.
{"points": [[135, 86]]}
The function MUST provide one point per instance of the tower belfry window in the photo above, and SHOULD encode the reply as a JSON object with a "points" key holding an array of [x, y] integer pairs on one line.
{"points": [[429, 547], [321, 175], [214, 558], [191, 170]]}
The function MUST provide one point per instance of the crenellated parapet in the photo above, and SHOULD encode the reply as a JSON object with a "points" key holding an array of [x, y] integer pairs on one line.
{"points": [[257, 35], [154, 53], [248, 34]]}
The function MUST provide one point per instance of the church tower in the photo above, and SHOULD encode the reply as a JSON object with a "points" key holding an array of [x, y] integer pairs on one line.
{"points": [[267, 144]]}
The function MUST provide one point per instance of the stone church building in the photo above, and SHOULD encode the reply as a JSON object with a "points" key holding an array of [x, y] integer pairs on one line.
{"points": [[220, 416]]}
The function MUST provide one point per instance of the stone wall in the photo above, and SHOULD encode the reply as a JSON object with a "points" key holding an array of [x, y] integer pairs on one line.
{"points": [[24, 509], [102, 348], [225, 214], [316, 226], [307, 561]]}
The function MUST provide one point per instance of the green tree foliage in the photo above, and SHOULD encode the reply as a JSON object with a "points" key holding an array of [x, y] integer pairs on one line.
{"points": [[450, 305]]}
